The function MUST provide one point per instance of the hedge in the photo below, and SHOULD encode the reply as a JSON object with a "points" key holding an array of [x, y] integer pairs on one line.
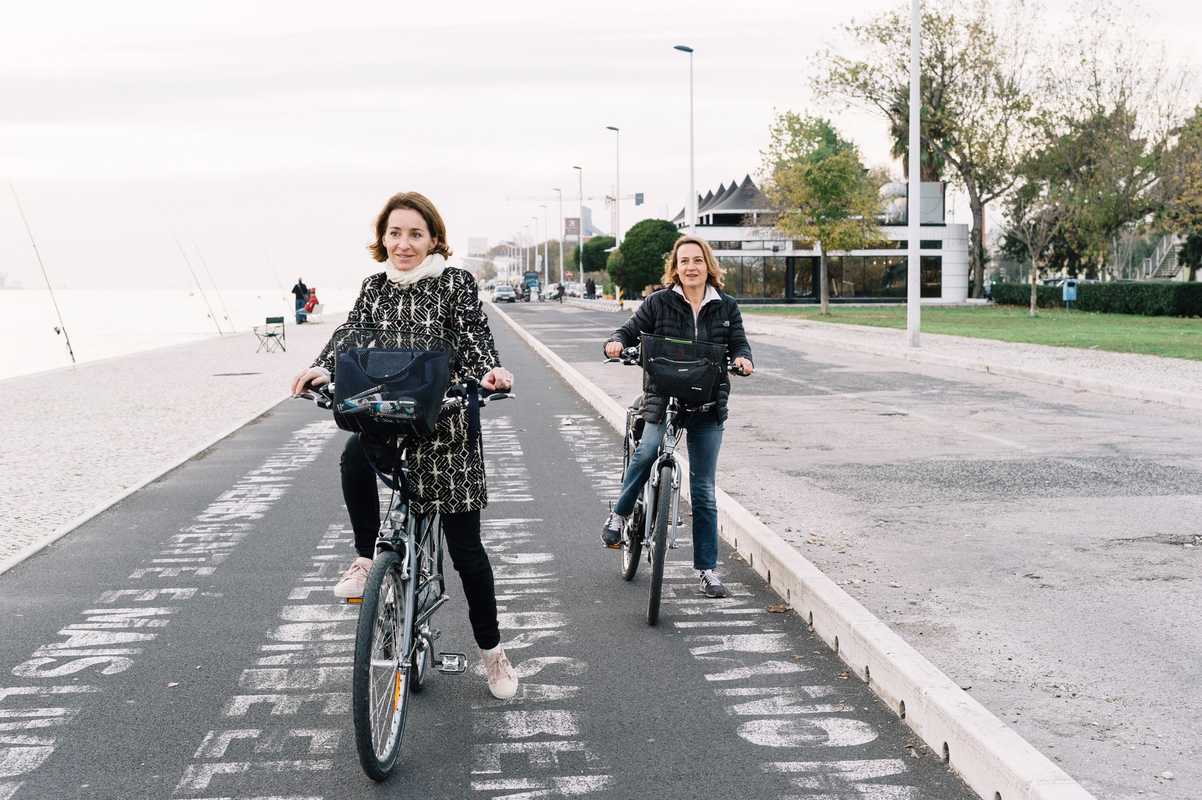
{"points": [[1146, 298]]}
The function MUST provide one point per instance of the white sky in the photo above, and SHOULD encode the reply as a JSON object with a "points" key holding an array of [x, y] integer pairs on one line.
{"points": [[267, 134]]}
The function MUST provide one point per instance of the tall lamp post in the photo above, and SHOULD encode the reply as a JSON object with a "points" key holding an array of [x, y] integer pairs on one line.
{"points": [[692, 204], [534, 246], [617, 183], [561, 253], [580, 223], [914, 189], [546, 248]]}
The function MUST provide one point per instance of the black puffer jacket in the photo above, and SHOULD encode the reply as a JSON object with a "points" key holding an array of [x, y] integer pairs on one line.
{"points": [[667, 313]]}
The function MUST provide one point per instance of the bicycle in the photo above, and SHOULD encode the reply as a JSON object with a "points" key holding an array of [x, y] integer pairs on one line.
{"points": [[652, 529], [394, 639]]}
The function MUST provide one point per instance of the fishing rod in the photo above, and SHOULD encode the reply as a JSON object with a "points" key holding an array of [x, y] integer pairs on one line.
{"points": [[62, 326], [199, 288], [216, 288]]}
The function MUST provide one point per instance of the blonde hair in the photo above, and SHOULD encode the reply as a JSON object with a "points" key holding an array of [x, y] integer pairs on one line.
{"points": [[716, 273]]}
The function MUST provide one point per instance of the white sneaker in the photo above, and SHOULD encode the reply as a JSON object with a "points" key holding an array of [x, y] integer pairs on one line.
{"points": [[352, 581], [502, 679]]}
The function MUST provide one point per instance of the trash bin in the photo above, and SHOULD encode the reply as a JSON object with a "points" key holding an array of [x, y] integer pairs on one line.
{"points": [[1068, 292]]}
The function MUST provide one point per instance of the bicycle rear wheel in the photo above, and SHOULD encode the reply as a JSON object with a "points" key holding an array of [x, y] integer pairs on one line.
{"points": [[381, 674], [659, 540]]}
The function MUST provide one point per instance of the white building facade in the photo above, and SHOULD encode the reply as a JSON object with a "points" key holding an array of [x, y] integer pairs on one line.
{"points": [[763, 266]]}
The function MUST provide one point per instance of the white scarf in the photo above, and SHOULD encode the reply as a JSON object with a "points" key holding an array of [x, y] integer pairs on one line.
{"points": [[432, 267]]}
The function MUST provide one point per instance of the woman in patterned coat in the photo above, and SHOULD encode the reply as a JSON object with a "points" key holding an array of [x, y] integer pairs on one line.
{"points": [[417, 291]]}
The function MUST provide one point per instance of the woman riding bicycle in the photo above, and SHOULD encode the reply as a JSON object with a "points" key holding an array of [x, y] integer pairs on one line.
{"points": [[418, 291], [692, 307]]}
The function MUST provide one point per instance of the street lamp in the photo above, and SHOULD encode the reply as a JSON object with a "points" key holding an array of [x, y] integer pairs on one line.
{"points": [[617, 183], [546, 248], [580, 225], [914, 189], [692, 204], [534, 246], [561, 254]]}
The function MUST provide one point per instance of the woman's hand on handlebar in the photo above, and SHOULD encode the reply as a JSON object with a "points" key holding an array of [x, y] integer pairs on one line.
{"points": [[744, 366], [310, 378], [613, 349], [498, 379]]}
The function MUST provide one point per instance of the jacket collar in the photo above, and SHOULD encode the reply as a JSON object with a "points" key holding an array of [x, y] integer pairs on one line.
{"points": [[711, 294]]}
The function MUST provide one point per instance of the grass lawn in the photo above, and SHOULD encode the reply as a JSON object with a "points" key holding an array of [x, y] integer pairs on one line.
{"points": [[1120, 333]]}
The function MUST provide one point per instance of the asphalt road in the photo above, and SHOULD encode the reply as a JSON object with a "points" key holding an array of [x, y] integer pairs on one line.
{"points": [[184, 645], [1038, 544]]}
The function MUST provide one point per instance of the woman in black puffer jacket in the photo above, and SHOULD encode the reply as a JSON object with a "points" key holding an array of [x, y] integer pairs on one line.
{"points": [[692, 307]]}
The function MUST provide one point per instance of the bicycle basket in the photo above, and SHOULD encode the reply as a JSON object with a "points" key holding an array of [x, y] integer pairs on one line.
{"points": [[407, 372], [681, 368]]}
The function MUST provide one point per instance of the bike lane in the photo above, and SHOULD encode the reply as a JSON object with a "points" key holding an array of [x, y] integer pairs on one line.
{"points": [[232, 679]]}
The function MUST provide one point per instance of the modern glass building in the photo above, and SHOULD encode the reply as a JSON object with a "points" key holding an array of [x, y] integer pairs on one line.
{"points": [[763, 266]]}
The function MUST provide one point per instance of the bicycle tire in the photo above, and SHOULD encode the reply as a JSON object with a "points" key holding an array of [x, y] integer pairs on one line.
{"points": [[632, 542], [383, 637], [659, 541]]}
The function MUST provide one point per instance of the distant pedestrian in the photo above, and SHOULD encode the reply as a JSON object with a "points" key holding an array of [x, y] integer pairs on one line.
{"points": [[590, 288], [301, 292]]}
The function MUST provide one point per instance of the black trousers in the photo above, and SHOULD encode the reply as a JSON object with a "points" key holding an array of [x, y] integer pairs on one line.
{"points": [[461, 531]]}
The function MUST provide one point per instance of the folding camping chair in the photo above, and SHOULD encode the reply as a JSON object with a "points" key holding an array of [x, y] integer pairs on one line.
{"points": [[271, 334]]}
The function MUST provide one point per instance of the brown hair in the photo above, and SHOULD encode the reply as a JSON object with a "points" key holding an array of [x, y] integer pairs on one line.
{"points": [[422, 205], [716, 273]]}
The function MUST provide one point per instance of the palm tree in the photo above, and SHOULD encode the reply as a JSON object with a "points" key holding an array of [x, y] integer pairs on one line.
{"points": [[932, 165]]}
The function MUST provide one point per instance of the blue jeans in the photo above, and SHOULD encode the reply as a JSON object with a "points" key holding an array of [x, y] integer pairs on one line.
{"points": [[704, 440]]}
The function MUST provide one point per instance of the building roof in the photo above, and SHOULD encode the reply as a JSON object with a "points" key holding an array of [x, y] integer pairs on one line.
{"points": [[711, 198], [734, 187], [679, 216], [747, 197]]}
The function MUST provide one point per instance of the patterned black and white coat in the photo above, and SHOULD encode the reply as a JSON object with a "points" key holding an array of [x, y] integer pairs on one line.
{"points": [[444, 474]]}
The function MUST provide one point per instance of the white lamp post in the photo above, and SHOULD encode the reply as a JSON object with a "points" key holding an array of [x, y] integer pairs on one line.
{"points": [[580, 225], [561, 253], [534, 246], [692, 204], [914, 190], [546, 248], [617, 183]]}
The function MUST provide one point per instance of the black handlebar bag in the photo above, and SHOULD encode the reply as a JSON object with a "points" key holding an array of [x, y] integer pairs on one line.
{"points": [[415, 379], [682, 368]]}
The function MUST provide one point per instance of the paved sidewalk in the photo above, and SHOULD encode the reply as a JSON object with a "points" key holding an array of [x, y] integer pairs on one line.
{"points": [[77, 438], [1035, 542]]}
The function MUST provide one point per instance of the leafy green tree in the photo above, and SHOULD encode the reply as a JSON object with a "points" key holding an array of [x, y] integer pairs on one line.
{"points": [[1035, 213], [1180, 191], [818, 181], [642, 255], [595, 257], [976, 109]]}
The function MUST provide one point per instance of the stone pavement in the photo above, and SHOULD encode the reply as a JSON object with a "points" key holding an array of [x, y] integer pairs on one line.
{"points": [[79, 437], [1035, 542]]}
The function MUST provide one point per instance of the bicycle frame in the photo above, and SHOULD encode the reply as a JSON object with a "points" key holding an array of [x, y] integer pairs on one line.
{"points": [[666, 455]]}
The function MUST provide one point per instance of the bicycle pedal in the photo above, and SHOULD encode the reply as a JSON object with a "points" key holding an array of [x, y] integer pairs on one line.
{"points": [[451, 663]]}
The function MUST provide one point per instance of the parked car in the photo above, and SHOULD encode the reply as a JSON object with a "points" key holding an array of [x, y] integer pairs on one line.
{"points": [[575, 289], [504, 293]]}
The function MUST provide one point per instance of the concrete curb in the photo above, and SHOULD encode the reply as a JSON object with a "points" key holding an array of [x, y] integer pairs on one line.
{"points": [[36, 547], [753, 324], [992, 759]]}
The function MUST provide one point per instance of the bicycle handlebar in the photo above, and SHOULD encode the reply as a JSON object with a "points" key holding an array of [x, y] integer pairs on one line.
{"points": [[630, 358], [374, 403]]}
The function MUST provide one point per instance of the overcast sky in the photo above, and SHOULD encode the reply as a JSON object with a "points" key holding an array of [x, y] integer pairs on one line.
{"points": [[267, 134]]}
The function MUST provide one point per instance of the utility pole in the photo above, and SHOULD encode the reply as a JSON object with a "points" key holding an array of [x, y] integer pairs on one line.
{"points": [[914, 189]]}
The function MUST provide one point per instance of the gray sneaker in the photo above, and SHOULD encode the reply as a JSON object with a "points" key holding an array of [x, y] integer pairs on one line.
{"points": [[611, 531], [711, 584]]}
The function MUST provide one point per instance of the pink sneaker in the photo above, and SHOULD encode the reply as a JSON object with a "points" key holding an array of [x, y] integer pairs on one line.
{"points": [[352, 581], [502, 679]]}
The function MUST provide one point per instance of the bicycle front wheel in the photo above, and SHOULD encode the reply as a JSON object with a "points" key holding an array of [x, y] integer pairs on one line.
{"points": [[381, 674], [659, 540]]}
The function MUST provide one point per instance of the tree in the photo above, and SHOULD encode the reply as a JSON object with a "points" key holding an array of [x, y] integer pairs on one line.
{"points": [[595, 257], [976, 108], [488, 271], [643, 251], [824, 193], [1035, 214], [1180, 191]]}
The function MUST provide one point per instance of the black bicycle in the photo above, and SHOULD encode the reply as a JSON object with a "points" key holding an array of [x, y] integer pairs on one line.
{"points": [[655, 521], [394, 639]]}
